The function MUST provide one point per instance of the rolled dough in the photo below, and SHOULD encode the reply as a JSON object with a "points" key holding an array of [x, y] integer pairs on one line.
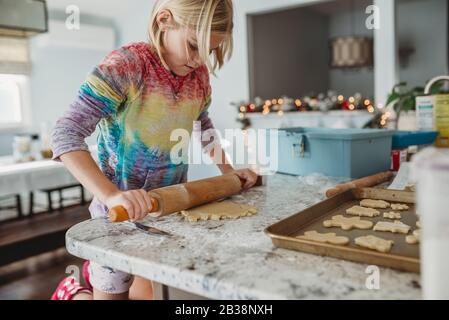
{"points": [[218, 210]]}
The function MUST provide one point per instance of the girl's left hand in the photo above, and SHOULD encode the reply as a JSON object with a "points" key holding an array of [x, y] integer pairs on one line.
{"points": [[248, 176]]}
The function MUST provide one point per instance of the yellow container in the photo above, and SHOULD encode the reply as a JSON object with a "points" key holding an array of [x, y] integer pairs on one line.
{"points": [[433, 110], [442, 120]]}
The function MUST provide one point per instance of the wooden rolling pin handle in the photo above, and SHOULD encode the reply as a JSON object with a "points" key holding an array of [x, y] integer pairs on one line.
{"points": [[360, 183], [119, 213]]}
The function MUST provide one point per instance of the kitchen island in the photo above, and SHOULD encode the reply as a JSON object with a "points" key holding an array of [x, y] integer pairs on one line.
{"points": [[234, 259]]}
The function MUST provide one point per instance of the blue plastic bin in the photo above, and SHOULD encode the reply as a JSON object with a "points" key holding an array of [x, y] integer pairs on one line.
{"points": [[351, 153]]}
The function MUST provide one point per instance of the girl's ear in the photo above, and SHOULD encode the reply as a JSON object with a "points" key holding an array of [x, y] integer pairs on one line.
{"points": [[165, 20]]}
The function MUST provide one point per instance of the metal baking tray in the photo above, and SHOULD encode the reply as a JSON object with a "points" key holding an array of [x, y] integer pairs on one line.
{"points": [[403, 256]]}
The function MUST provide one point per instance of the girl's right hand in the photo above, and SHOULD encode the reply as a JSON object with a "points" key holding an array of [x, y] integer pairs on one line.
{"points": [[136, 202]]}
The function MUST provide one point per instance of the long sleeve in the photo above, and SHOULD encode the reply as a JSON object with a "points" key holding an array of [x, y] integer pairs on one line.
{"points": [[207, 127], [206, 122], [100, 96]]}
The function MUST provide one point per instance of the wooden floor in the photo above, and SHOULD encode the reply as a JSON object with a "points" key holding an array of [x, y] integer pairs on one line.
{"points": [[36, 278]]}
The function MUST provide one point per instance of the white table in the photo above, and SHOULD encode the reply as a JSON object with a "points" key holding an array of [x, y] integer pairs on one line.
{"points": [[17, 178], [24, 178]]}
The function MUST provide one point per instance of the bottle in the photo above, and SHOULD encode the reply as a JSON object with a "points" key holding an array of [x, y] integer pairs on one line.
{"points": [[45, 142], [21, 148], [35, 146]]}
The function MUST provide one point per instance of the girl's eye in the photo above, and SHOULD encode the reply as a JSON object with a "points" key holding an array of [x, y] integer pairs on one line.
{"points": [[193, 47]]}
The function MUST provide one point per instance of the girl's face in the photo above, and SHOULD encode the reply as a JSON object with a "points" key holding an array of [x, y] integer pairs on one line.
{"points": [[181, 50]]}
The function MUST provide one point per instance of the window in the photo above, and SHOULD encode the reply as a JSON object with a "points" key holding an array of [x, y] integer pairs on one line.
{"points": [[10, 100], [14, 70]]}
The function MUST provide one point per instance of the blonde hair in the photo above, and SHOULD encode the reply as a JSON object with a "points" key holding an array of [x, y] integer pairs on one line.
{"points": [[202, 16]]}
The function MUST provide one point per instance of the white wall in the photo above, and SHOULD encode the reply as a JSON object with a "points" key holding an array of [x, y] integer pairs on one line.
{"points": [[385, 51], [56, 77], [61, 60], [132, 25]]}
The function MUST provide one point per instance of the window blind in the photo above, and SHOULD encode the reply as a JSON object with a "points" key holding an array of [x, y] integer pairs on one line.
{"points": [[14, 56]]}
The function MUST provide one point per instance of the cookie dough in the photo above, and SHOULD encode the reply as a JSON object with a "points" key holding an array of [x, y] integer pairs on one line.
{"points": [[348, 223], [218, 210], [399, 206], [363, 212], [331, 238], [370, 203], [413, 238], [374, 243], [394, 227], [392, 215]]}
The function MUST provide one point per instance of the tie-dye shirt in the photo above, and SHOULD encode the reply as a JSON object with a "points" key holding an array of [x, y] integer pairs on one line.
{"points": [[136, 103]]}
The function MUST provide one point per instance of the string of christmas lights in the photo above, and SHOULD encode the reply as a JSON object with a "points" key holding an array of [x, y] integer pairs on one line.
{"points": [[322, 103]]}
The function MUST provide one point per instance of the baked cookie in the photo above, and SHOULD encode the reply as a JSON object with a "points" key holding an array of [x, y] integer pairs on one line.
{"points": [[392, 215], [394, 227], [331, 238], [348, 223], [374, 243], [399, 206], [370, 203], [363, 212], [414, 238]]}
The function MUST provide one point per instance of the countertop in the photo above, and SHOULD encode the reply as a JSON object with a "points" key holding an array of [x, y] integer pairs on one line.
{"points": [[234, 259]]}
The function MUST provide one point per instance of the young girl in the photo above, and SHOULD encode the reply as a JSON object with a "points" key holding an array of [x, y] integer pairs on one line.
{"points": [[138, 95]]}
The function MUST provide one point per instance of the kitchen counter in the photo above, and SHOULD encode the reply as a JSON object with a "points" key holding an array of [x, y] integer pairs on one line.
{"points": [[234, 259]]}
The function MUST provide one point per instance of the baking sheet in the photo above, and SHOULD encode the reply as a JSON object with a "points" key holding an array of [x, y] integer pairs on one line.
{"points": [[403, 256]]}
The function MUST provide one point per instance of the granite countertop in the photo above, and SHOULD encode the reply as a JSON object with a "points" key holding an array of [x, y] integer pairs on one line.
{"points": [[234, 259]]}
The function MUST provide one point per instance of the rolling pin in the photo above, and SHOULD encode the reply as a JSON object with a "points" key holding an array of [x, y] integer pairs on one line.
{"points": [[187, 195], [360, 183]]}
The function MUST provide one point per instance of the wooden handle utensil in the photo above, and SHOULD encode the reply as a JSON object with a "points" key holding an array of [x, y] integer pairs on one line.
{"points": [[360, 183]]}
